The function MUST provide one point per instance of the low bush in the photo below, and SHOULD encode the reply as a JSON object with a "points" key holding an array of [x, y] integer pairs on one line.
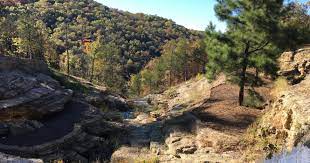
{"points": [[280, 85], [253, 99]]}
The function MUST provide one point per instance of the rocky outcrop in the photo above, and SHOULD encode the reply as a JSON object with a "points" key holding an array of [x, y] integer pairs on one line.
{"points": [[28, 96], [98, 96], [26, 91], [40, 118], [186, 95], [90, 140], [285, 124], [101, 98], [290, 115], [295, 64]]}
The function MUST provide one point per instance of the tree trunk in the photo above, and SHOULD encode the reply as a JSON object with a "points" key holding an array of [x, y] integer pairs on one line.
{"points": [[170, 78], [67, 44], [28, 47], [92, 69], [68, 62], [256, 77], [241, 85], [204, 71], [243, 73]]}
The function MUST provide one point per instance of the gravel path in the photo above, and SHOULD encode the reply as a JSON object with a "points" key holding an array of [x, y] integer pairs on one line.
{"points": [[54, 127]]}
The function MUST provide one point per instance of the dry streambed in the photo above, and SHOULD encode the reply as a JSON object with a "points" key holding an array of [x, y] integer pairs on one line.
{"points": [[195, 121]]}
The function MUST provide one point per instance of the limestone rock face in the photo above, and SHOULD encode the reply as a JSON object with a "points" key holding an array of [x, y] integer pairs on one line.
{"points": [[295, 64], [287, 120], [25, 92], [286, 123]]}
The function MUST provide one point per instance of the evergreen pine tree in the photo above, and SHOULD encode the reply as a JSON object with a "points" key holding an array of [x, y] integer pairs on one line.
{"points": [[251, 29]]}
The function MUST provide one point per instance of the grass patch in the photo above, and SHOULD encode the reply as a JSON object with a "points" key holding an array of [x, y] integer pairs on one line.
{"points": [[280, 85], [149, 160], [200, 76]]}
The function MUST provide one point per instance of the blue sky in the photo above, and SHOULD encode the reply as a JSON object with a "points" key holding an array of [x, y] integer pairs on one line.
{"points": [[193, 14]]}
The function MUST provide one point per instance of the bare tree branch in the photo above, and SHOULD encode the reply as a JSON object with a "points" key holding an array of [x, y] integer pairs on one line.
{"points": [[259, 47]]}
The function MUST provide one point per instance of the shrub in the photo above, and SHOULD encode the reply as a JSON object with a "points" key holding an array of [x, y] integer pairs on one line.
{"points": [[253, 99], [280, 85], [200, 76]]}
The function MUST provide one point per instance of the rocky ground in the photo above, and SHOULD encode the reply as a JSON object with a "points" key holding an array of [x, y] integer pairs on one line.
{"points": [[40, 118], [51, 117], [198, 121], [194, 122], [284, 125]]}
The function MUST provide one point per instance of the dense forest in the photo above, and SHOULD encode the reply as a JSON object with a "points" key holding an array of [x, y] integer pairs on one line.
{"points": [[111, 47], [64, 24]]}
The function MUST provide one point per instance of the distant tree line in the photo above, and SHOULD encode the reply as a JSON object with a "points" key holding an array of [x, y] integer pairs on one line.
{"points": [[180, 61], [53, 30], [138, 36], [152, 52]]}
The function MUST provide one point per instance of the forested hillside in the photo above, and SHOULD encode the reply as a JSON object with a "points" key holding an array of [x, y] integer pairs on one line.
{"points": [[65, 23], [81, 82]]}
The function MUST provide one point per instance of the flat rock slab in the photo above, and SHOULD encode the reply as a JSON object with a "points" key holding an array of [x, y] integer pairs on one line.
{"points": [[4, 158]]}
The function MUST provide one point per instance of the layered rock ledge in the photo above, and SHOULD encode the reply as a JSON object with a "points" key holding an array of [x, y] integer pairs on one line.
{"points": [[40, 118]]}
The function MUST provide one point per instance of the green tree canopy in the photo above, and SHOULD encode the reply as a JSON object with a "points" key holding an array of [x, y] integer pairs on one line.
{"points": [[253, 28]]}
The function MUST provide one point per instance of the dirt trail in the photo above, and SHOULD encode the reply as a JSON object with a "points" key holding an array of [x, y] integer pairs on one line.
{"points": [[196, 121], [54, 127], [222, 112]]}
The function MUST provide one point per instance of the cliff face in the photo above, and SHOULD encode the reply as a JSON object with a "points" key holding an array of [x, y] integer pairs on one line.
{"points": [[288, 118], [286, 121], [290, 114]]}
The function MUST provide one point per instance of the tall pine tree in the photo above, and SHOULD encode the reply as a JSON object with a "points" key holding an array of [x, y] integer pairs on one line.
{"points": [[251, 29]]}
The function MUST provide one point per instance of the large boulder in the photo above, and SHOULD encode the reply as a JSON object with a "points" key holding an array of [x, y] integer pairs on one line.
{"points": [[103, 98], [295, 64], [26, 90]]}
